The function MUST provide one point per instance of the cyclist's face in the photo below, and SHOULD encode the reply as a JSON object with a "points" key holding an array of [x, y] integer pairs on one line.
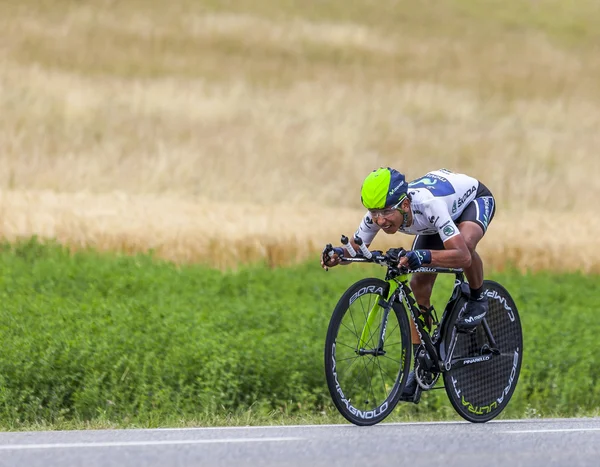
{"points": [[389, 219]]}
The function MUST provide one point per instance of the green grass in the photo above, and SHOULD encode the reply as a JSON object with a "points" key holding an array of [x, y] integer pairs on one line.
{"points": [[93, 341]]}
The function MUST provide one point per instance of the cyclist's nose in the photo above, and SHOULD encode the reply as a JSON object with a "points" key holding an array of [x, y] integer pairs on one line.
{"points": [[380, 220]]}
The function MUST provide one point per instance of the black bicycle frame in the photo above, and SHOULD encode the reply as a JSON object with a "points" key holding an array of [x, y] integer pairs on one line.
{"points": [[433, 344]]}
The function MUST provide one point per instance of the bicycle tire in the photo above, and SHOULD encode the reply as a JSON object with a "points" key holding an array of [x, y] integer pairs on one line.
{"points": [[366, 388], [481, 391]]}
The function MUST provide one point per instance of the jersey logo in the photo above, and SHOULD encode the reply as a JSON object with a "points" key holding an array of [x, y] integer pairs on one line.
{"points": [[448, 230], [428, 181], [464, 197], [486, 207], [437, 185]]}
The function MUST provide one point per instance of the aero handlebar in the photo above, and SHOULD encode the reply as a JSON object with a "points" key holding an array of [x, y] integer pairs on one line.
{"points": [[378, 257]]}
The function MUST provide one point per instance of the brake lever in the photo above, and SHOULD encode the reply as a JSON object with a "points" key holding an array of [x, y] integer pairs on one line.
{"points": [[394, 254], [393, 259]]}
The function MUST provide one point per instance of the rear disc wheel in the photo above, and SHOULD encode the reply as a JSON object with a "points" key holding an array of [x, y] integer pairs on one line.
{"points": [[480, 391]]}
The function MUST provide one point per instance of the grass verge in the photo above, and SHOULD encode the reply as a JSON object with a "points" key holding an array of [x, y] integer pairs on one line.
{"points": [[98, 340]]}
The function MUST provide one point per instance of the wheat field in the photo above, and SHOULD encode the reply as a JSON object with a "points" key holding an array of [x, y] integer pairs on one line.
{"points": [[231, 132]]}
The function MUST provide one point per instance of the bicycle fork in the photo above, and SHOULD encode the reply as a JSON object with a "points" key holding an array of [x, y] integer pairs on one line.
{"points": [[371, 323]]}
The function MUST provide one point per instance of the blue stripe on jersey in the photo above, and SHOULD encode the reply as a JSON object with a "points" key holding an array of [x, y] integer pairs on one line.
{"points": [[485, 207], [438, 186]]}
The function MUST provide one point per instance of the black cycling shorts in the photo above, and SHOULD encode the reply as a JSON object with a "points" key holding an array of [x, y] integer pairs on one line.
{"points": [[481, 211]]}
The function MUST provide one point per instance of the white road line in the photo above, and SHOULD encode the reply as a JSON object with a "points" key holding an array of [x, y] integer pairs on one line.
{"points": [[549, 430], [345, 425], [324, 425], [10, 447], [337, 425]]}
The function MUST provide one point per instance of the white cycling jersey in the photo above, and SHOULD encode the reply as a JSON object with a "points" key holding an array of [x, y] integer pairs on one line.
{"points": [[437, 200]]}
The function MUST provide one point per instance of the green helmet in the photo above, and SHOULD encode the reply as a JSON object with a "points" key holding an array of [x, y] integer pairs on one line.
{"points": [[382, 188]]}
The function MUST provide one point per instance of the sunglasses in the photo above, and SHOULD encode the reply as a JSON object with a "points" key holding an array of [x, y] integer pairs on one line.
{"points": [[385, 212]]}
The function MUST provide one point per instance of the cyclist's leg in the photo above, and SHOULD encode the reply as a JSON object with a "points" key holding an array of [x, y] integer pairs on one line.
{"points": [[422, 283], [473, 223], [472, 233]]}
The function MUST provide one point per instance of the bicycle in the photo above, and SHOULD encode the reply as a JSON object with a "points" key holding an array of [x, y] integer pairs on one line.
{"points": [[368, 349]]}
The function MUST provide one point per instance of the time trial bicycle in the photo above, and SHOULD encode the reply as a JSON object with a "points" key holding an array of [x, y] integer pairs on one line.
{"points": [[368, 349]]}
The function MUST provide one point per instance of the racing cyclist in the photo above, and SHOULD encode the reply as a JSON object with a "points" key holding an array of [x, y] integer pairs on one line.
{"points": [[449, 213]]}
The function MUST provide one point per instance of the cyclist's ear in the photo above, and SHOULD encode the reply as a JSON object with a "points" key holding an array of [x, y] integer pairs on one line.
{"points": [[404, 205]]}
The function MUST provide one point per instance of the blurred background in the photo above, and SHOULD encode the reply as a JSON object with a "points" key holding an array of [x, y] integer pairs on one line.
{"points": [[227, 132]]}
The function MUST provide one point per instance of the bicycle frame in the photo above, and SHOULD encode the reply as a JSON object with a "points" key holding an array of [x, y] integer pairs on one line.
{"points": [[399, 289], [431, 342]]}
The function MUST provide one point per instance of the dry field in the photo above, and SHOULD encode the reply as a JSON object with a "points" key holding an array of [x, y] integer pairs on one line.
{"points": [[234, 131]]}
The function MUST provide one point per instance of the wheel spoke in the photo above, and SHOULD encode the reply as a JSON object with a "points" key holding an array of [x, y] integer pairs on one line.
{"points": [[372, 332], [372, 383]]}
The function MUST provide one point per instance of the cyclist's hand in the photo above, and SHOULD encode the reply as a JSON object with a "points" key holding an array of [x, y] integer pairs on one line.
{"points": [[331, 256], [417, 258], [395, 254]]}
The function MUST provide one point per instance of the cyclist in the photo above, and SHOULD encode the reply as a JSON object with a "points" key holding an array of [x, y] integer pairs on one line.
{"points": [[449, 213]]}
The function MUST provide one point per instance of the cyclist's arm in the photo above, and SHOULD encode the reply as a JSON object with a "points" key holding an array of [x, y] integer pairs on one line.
{"points": [[456, 254], [366, 230]]}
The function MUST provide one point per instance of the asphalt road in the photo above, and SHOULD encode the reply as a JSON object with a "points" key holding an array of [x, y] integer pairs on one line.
{"points": [[550, 442]]}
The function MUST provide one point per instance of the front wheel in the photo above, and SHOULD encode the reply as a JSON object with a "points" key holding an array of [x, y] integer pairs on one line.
{"points": [[367, 355], [481, 389]]}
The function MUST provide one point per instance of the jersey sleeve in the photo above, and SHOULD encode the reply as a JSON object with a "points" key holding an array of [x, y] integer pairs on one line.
{"points": [[438, 215], [367, 229]]}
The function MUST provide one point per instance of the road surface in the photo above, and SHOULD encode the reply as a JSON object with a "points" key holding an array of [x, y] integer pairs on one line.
{"points": [[531, 443]]}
